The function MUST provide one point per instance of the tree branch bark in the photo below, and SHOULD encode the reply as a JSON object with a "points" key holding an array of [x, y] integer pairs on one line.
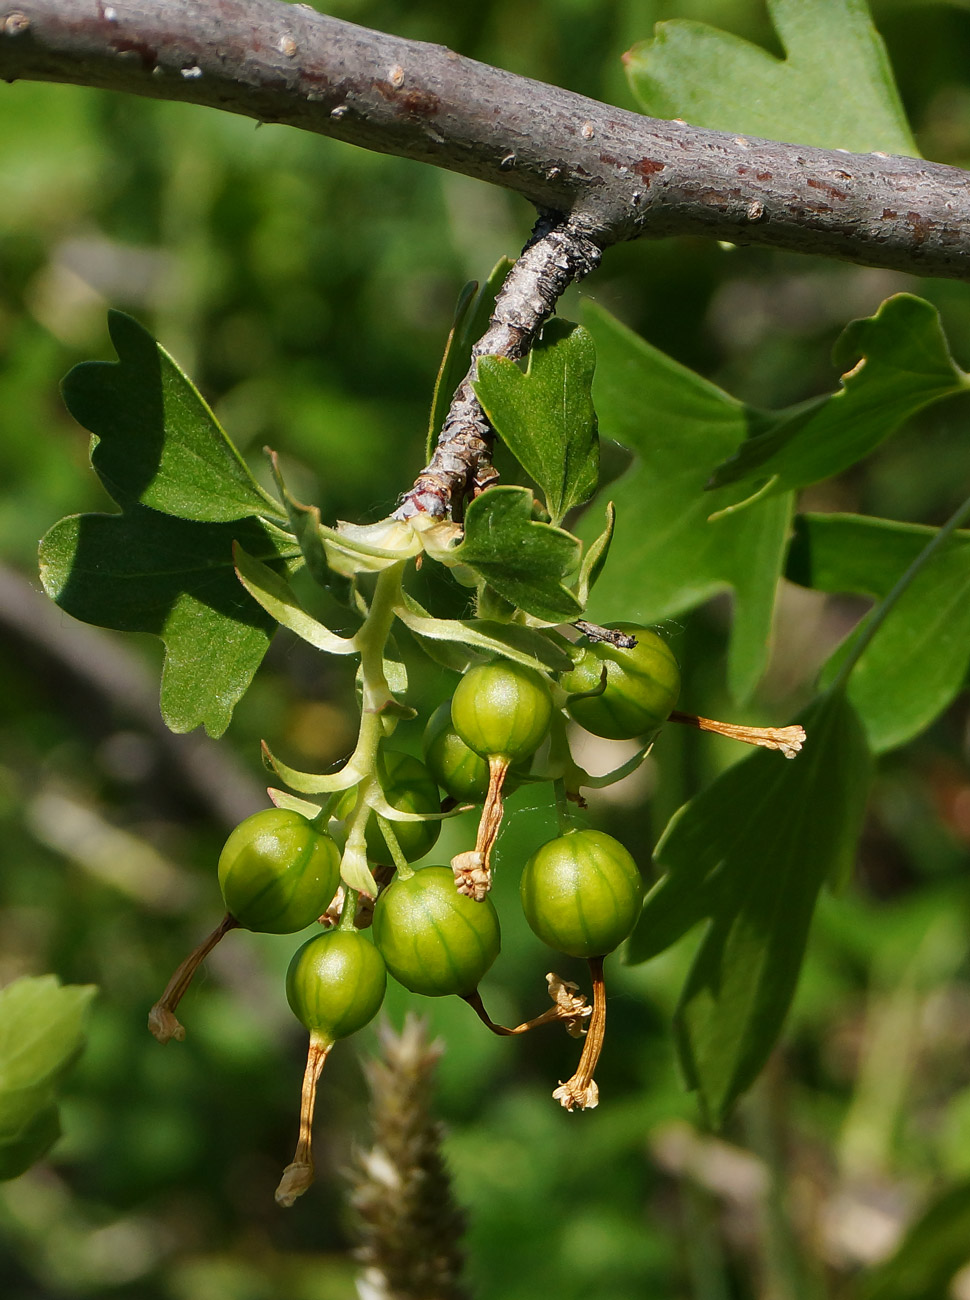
{"points": [[617, 175], [555, 256]]}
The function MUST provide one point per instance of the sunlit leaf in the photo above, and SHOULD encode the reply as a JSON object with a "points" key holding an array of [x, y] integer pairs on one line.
{"points": [[274, 594], [749, 855], [545, 415], [156, 442], [667, 555], [524, 645], [595, 556], [834, 89], [523, 560]]}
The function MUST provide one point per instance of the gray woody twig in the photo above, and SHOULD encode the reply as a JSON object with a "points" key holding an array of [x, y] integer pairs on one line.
{"points": [[620, 175], [558, 253], [600, 174]]}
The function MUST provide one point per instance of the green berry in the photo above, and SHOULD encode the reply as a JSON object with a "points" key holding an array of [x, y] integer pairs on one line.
{"points": [[582, 893], [409, 787], [434, 940], [277, 872], [642, 685], [459, 771], [335, 983], [502, 709]]}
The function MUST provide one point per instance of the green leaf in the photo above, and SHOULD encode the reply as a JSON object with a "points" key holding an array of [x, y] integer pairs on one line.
{"points": [[545, 415], [156, 442], [917, 662], [523, 560], [142, 571], [475, 306], [931, 1253], [896, 362], [42, 1030], [750, 853], [856, 553], [667, 556], [834, 88]]}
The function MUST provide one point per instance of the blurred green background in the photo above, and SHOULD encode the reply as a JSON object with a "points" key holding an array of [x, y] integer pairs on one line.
{"points": [[308, 287]]}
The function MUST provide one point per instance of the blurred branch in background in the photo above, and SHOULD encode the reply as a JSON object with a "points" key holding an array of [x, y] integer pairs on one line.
{"points": [[100, 669]]}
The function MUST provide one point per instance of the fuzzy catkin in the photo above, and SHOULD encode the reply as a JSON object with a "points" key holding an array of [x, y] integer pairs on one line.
{"points": [[410, 1225]]}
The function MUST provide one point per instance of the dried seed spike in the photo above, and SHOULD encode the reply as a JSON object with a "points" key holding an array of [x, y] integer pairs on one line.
{"points": [[581, 1089], [162, 1020], [411, 1228], [787, 739], [298, 1174]]}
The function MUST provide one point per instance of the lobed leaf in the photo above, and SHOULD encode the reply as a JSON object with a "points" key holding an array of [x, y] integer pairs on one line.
{"points": [[523, 560], [895, 362], [834, 88], [545, 415], [156, 442], [667, 554], [918, 660], [749, 855], [142, 571]]}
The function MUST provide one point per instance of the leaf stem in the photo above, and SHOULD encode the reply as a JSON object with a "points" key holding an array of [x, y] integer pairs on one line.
{"points": [[884, 608], [562, 805]]}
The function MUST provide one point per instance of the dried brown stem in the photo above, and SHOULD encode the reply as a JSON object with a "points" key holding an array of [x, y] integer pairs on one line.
{"points": [[569, 1008], [581, 1089], [788, 739], [611, 635], [298, 1174], [473, 870], [161, 1019]]}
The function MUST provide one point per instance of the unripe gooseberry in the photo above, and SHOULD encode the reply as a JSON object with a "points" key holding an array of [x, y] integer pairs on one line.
{"points": [[277, 872], [459, 771], [582, 893], [642, 685], [409, 787], [335, 983], [502, 709], [433, 939]]}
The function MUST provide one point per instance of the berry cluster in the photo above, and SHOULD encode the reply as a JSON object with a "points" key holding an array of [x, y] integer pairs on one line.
{"points": [[435, 929]]}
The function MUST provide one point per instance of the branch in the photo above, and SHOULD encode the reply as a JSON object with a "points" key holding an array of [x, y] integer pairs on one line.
{"points": [[619, 175], [557, 254]]}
